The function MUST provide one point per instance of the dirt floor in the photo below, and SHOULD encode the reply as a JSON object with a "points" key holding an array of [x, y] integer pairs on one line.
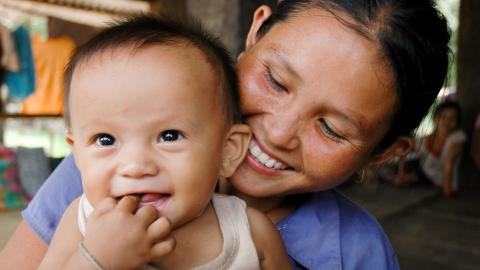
{"points": [[428, 231], [439, 234]]}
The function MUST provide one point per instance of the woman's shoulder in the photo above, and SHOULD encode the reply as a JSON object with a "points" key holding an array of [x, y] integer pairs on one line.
{"points": [[363, 243], [355, 214], [457, 136], [356, 222], [341, 235]]}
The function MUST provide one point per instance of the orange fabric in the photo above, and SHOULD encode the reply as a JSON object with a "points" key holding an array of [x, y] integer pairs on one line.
{"points": [[50, 57]]}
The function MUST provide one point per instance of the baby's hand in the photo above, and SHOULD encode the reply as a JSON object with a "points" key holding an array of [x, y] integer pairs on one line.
{"points": [[120, 238]]}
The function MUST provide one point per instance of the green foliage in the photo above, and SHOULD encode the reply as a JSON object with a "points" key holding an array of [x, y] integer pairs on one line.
{"points": [[451, 9]]}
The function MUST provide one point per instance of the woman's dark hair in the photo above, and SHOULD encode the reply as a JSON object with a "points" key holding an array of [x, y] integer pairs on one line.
{"points": [[449, 104], [414, 38]]}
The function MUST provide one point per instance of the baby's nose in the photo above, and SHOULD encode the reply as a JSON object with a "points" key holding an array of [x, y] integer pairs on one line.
{"points": [[137, 165], [138, 170]]}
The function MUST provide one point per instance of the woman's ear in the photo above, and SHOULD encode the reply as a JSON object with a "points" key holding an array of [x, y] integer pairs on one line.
{"points": [[235, 148], [402, 146], [69, 138], [262, 14]]}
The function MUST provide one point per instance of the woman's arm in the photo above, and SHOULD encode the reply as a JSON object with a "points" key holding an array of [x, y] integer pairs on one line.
{"points": [[24, 243], [64, 243], [448, 167], [41, 217]]}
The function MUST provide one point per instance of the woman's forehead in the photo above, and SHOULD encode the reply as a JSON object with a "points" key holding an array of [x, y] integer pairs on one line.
{"points": [[334, 68], [319, 33]]}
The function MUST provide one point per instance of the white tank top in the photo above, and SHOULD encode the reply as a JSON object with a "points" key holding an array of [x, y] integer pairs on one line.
{"points": [[238, 251]]}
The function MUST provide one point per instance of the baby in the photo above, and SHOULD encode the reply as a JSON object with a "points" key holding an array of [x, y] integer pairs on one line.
{"points": [[153, 119]]}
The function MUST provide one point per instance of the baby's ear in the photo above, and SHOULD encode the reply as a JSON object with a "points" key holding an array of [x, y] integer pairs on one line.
{"points": [[235, 148]]}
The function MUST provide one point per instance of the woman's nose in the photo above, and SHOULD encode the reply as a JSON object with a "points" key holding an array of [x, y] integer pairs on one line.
{"points": [[137, 165], [282, 130]]}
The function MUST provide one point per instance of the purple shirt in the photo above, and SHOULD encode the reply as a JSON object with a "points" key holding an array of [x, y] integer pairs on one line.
{"points": [[328, 231], [47, 206]]}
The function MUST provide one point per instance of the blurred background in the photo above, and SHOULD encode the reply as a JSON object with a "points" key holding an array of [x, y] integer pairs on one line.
{"points": [[430, 227]]}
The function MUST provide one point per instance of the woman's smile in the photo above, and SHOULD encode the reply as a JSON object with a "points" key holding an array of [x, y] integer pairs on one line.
{"points": [[263, 162]]}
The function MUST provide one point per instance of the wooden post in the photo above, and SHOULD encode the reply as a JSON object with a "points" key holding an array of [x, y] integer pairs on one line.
{"points": [[169, 7], [468, 75], [229, 20]]}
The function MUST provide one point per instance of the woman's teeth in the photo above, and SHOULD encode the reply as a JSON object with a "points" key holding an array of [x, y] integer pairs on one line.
{"points": [[263, 158]]}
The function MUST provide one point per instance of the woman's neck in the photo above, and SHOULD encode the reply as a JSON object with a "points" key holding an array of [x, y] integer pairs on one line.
{"points": [[275, 208]]}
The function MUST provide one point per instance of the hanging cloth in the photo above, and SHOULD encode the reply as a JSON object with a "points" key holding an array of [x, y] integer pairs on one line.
{"points": [[22, 83], [51, 57], [9, 51]]}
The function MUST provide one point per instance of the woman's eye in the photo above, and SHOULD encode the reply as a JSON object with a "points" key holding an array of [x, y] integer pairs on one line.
{"points": [[105, 140], [330, 132], [170, 136], [274, 83]]}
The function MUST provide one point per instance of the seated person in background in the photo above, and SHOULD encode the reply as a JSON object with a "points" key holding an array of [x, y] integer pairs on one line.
{"points": [[153, 119], [440, 151], [437, 155]]}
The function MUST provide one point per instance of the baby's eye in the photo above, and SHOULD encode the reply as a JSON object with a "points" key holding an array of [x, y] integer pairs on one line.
{"points": [[105, 140], [170, 136]]}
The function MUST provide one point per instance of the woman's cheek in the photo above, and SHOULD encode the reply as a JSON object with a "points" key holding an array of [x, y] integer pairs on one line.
{"points": [[330, 161], [253, 91]]}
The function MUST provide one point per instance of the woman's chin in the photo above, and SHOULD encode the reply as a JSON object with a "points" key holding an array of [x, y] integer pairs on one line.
{"points": [[246, 181]]}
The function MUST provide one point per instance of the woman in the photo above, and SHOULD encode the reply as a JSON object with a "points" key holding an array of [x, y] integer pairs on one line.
{"points": [[440, 150], [327, 86]]}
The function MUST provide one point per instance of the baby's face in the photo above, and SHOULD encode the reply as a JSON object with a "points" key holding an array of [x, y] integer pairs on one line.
{"points": [[148, 123]]}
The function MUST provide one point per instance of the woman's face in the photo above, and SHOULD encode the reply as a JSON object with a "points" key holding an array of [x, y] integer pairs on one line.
{"points": [[318, 97], [447, 121]]}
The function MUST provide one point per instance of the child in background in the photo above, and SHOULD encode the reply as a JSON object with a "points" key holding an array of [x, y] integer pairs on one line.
{"points": [[152, 116], [440, 151], [436, 157]]}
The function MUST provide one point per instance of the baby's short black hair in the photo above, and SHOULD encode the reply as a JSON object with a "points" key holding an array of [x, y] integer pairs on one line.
{"points": [[146, 30]]}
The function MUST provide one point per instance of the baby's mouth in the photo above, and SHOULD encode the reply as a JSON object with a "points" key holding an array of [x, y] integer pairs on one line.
{"points": [[263, 158], [158, 200]]}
